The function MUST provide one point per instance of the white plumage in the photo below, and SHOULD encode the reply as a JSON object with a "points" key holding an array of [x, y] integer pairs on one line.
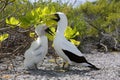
{"points": [[38, 49], [66, 49]]}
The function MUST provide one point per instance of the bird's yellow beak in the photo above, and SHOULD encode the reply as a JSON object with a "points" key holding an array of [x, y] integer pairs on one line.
{"points": [[49, 31], [55, 17], [51, 20]]}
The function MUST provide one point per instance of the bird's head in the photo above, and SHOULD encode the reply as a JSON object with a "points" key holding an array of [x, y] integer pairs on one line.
{"points": [[59, 16], [61, 20], [42, 29]]}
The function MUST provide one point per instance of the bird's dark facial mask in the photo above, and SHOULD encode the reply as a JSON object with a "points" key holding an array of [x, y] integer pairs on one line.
{"points": [[49, 31], [56, 17]]}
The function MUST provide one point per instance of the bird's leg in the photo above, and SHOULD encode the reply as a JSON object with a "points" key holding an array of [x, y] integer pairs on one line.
{"points": [[56, 61], [35, 67], [66, 66], [63, 65]]}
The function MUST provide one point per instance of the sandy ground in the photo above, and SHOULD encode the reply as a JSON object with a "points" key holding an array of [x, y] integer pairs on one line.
{"points": [[109, 64]]}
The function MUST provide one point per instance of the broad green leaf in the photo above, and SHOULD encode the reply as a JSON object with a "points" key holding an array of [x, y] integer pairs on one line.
{"points": [[53, 10], [12, 21], [32, 34], [75, 42], [24, 22], [50, 22], [45, 11], [3, 37], [7, 21], [71, 33]]}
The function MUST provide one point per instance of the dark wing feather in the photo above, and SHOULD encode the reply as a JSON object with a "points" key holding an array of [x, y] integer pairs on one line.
{"points": [[79, 59], [75, 58]]}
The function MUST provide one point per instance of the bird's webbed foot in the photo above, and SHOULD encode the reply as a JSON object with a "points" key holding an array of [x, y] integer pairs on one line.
{"points": [[63, 68], [65, 65], [35, 67]]}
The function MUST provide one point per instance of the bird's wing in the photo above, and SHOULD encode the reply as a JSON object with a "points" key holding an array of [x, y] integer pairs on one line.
{"points": [[31, 51], [39, 51], [73, 57], [68, 46]]}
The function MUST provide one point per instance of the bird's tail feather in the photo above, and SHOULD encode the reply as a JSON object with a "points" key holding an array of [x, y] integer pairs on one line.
{"points": [[92, 66]]}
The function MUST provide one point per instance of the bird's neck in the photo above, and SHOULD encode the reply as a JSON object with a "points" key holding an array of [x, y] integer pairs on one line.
{"points": [[41, 39], [62, 25], [40, 33]]}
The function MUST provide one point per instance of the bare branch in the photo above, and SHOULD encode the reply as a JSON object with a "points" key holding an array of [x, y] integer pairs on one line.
{"points": [[4, 29], [4, 5]]}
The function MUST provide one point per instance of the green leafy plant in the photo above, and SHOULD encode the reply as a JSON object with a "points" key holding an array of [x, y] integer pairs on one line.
{"points": [[42, 16], [70, 34], [33, 17], [103, 15], [12, 21], [3, 37]]}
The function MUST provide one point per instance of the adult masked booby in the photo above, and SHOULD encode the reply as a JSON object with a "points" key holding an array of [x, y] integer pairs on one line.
{"points": [[38, 49], [66, 49]]}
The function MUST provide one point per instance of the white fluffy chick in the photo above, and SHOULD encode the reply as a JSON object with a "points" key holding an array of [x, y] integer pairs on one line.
{"points": [[38, 49]]}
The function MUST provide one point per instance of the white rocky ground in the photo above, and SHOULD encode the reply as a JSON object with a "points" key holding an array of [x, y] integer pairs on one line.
{"points": [[109, 64]]}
